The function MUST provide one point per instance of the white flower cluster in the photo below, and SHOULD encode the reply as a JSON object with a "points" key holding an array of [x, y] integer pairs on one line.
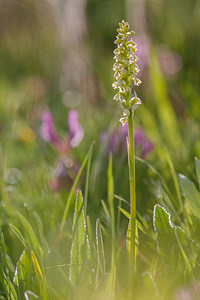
{"points": [[125, 71]]}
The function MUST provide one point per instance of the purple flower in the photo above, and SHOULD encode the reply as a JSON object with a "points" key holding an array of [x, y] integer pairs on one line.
{"points": [[110, 141], [143, 51], [47, 129], [72, 139], [75, 129], [170, 62], [142, 142], [116, 141]]}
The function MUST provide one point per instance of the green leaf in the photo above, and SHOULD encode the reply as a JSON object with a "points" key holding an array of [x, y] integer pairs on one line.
{"points": [[30, 295], [87, 178], [22, 269], [191, 194], [141, 224], [18, 234], [39, 276], [5, 272], [111, 206], [128, 239], [187, 247], [171, 239], [100, 269], [37, 268], [89, 229], [110, 185], [5, 264], [80, 249], [164, 229], [30, 234], [197, 165], [10, 289], [106, 211], [125, 213]]}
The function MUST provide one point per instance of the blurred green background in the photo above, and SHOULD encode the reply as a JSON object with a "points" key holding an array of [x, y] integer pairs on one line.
{"points": [[67, 45]]}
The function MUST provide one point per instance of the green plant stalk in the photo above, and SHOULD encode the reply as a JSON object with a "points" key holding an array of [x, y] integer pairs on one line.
{"points": [[131, 164], [125, 72]]}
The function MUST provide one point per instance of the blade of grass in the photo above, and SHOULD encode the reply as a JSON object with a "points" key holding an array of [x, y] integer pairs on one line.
{"points": [[111, 206], [70, 197], [100, 271], [22, 269], [122, 199], [30, 294], [197, 166], [107, 214], [165, 111], [89, 228], [175, 179], [30, 234], [80, 248], [87, 179], [18, 234], [40, 277]]}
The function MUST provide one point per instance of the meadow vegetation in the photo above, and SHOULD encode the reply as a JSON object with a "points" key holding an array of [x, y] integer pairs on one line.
{"points": [[90, 207]]}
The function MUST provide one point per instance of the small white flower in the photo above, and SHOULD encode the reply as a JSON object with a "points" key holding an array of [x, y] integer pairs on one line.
{"points": [[123, 121], [126, 113], [135, 105]]}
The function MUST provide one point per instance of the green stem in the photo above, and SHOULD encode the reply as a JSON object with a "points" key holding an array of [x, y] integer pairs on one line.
{"points": [[131, 164]]}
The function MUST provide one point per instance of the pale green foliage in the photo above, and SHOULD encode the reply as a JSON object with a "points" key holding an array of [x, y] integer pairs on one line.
{"points": [[22, 268], [191, 194], [126, 71], [80, 249], [100, 268], [172, 241]]}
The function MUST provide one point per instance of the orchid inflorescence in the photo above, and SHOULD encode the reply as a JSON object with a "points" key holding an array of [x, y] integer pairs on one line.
{"points": [[116, 141], [71, 139], [126, 71], [66, 167]]}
